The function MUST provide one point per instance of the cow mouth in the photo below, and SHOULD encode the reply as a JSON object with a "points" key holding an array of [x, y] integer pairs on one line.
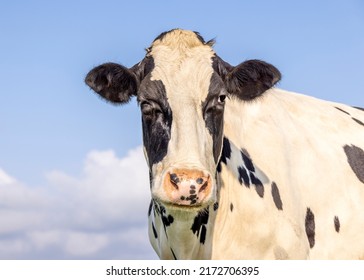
{"points": [[170, 205]]}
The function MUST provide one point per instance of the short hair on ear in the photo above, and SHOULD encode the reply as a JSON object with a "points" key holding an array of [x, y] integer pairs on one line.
{"points": [[249, 79], [113, 82]]}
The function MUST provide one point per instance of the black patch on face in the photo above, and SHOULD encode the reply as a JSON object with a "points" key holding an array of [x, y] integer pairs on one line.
{"points": [[199, 224], [213, 113], [337, 223], [231, 207], [258, 184], [154, 231], [342, 110], [276, 196], [156, 119], [225, 154], [358, 121], [310, 227], [247, 160], [243, 176], [142, 69], [355, 157]]}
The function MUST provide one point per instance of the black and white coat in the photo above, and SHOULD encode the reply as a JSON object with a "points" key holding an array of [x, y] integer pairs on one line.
{"points": [[239, 169]]}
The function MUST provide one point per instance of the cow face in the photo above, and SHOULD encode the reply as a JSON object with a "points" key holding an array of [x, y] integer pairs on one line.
{"points": [[181, 86]]}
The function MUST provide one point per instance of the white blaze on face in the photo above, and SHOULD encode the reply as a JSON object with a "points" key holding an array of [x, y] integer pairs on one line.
{"points": [[185, 68]]}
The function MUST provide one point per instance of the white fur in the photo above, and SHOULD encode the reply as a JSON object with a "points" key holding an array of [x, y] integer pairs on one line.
{"points": [[184, 67], [298, 142]]}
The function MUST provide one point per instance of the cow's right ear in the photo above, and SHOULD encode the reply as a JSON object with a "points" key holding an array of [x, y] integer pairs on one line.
{"points": [[113, 82]]}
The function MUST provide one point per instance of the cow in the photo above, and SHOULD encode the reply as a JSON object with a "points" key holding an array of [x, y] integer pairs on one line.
{"points": [[240, 169]]}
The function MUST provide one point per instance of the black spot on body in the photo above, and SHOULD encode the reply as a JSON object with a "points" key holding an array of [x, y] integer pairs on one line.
{"points": [[216, 206], [359, 108], [199, 224], [358, 121], [243, 176], [150, 208], [337, 223], [226, 152], [150, 179], [276, 196], [167, 220], [258, 184], [174, 255], [203, 234], [342, 110], [355, 158], [154, 231], [247, 160], [310, 227], [231, 207]]}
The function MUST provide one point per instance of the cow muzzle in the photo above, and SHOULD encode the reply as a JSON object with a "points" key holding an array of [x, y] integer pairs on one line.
{"points": [[187, 187]]}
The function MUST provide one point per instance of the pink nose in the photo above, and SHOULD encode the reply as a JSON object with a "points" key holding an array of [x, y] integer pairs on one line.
{"points": [[187, 186]]}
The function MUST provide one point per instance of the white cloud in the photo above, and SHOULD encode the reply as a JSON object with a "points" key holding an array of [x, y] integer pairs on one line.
{"points": [[5, 179], [102, 213]]}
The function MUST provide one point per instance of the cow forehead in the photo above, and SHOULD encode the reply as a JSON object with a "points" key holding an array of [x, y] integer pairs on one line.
{"points": [[183, 62]]}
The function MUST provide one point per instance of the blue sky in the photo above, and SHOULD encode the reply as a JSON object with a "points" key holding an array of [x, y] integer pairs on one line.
{"points": [[58, 140]]}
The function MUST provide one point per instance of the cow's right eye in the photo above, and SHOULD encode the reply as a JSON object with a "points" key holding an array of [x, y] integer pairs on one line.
{"points": [[146, 108], [150, 109]]}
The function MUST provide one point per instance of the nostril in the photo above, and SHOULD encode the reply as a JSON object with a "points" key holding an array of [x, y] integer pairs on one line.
{"points": [[174, 180], [203, 187], [199, 181]]}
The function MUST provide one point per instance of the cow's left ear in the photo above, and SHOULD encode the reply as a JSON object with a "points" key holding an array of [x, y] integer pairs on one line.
{"points": [[249, 79]]}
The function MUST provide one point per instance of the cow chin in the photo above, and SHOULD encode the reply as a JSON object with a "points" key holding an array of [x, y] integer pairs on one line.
{"points": [[185, 189]]}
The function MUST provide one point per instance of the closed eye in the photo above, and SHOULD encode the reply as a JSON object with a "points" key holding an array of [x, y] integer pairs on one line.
{"points": [[150, 108]]}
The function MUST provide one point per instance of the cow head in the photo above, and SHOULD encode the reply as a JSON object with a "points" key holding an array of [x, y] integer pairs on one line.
{"points": [[181, 86]]}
